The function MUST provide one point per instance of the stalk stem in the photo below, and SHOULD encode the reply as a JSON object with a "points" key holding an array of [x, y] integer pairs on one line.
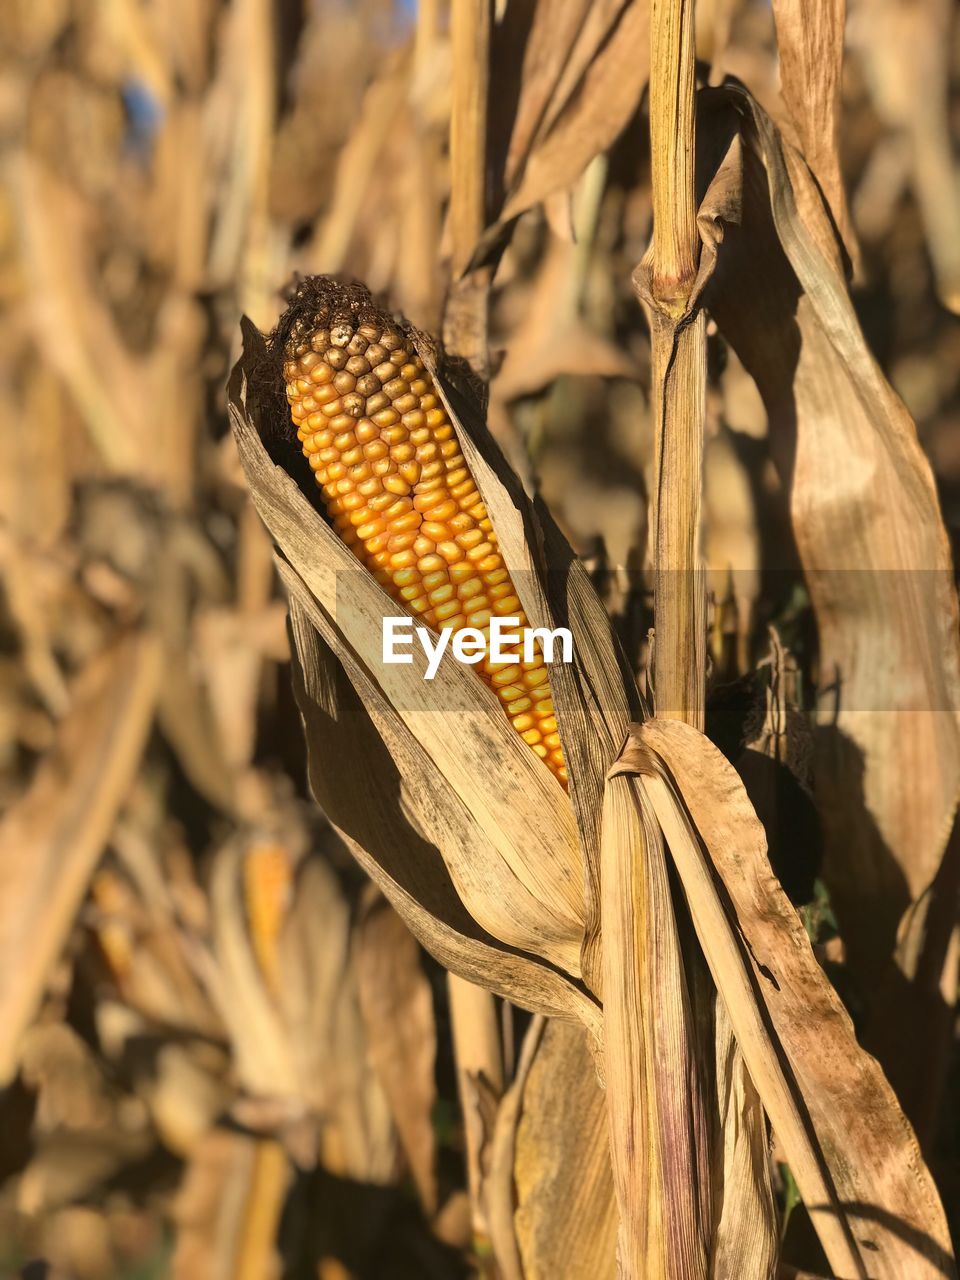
{"points": [[476, 1033], [656, 1103], [465, 316], [679, 371]]}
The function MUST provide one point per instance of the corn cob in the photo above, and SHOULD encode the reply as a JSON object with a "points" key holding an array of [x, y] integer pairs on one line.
{"points": [[267, 885], [397, 490]]}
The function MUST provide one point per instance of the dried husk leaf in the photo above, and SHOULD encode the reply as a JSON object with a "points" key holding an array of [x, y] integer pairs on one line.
{"points": [[852, 1151], [476, 1031], [52, 839], [497, 1186], [372, 789], [596, 695], [746, 1214]]}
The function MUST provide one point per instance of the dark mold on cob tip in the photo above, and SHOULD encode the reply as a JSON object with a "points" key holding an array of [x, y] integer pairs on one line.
{"points": [[324, 302], [312, 301]]}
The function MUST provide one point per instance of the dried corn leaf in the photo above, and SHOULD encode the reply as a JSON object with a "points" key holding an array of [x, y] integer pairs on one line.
{"points": [[51, 840], [554, 29], [870, 536], [851, 1149], [320, 1002], [57, 259], [590, 78], [264, 1058], [478, 1052], [599, 89], [810, 45], [356, 167], [397, 1008], [496, 1190], [566, 1214], [553, 340]]}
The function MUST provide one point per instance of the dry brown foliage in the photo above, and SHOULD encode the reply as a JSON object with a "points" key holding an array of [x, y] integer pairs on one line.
{"points": [[698, 1018]]}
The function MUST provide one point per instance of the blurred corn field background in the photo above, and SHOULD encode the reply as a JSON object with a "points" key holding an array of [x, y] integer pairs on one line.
{"points": [[222, 1054]]}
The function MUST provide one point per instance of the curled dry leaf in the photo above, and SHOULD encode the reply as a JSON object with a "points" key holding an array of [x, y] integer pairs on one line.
{"points": [[851, 1149]]}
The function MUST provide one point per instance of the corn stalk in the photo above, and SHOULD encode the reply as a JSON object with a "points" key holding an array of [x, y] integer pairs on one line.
{"points": [[475, 1032], [465, 315], [659, 1150], [679, 370]]}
